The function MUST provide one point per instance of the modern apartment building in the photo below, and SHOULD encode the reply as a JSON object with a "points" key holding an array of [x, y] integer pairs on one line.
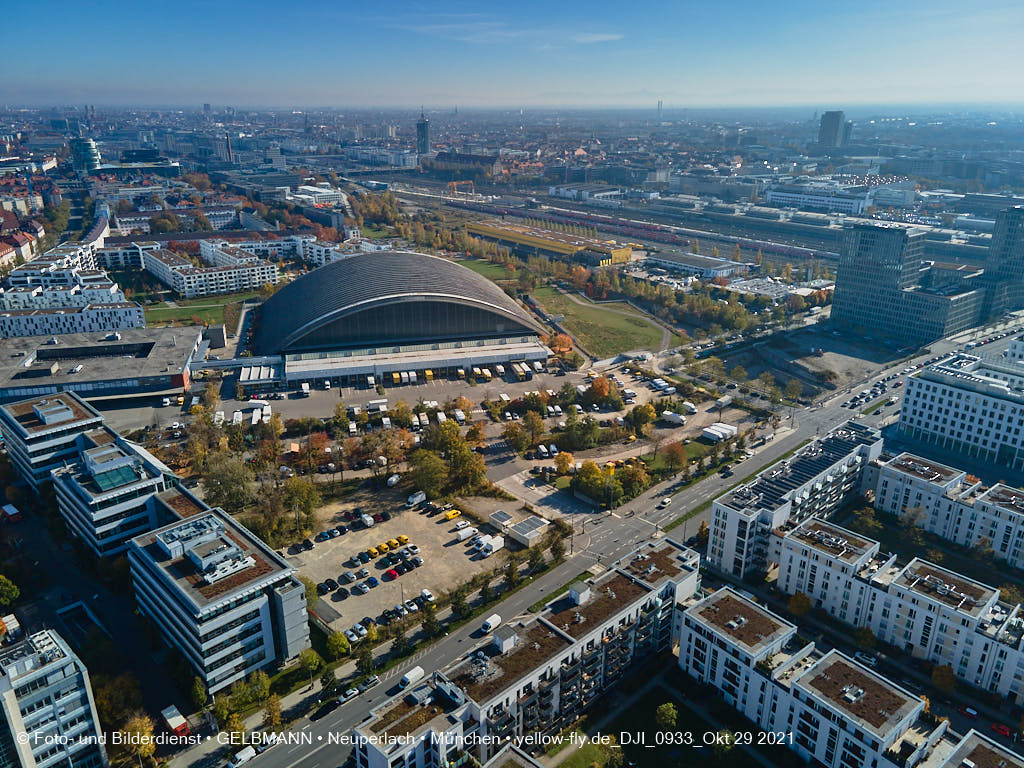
{"points": [[831, 128], [94, 318], [885, 289], [969, 405], [817, 480], [953, 504], [232, 270], [538, 675], [42, 433], [839, 713], [922, 608], [47, 713], [107, 495], [227, 601], [1004, 267]]}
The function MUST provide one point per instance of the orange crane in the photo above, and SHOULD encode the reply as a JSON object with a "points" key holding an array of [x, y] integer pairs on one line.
{"points": [[453, 187]]}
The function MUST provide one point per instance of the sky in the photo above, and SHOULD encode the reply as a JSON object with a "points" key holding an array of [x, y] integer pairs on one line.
{"points": [[516, 53]]}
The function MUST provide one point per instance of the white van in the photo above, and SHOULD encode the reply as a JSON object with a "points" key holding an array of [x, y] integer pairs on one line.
{"points": [[491, 623], [414, 675], [242, 756]]}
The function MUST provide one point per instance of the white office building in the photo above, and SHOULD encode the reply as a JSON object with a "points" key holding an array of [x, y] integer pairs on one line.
{"points": [[539, 675], [231, 270], [225, 599], [969, 405], [46, 706], [41, 433], [817, 480], [106, 495]]}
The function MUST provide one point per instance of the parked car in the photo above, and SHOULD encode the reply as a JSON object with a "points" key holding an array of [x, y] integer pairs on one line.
{"points": [[969, 712], [373, 582], [362, 573], [866, 659], [391, 574], [1002, 730], [360, 588], [331, 585], [368, 683], [410, 605]]}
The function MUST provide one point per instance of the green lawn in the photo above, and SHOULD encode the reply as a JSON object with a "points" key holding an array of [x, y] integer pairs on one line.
{"points": [[376, 233], [603, 333], [213, 315], [491, 271]]}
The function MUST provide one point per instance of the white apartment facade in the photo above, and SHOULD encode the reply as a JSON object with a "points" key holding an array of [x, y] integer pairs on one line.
{"points": [[815, 481], [830, 709], [46, 705], [969, 405], [922, 608], [538, 675], [954, 505], [54, 322], [227, 601]]}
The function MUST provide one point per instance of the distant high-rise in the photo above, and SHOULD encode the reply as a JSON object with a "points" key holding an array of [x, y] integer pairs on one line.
{"points": [[422, 135], [885, 289], [830, 132], [1004, 267], [84, 155], [206, 108], [659, 110]]}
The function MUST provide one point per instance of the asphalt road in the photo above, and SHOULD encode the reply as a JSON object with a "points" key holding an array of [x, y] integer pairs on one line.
{"points": [[600, 538]]}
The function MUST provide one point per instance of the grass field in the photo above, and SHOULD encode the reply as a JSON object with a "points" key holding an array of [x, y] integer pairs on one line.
{"points": [[209, 309], [494, 272], [602, 332]]}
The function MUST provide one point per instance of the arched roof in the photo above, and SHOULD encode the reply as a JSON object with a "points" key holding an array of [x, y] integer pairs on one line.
{"points": [[372, 281]]}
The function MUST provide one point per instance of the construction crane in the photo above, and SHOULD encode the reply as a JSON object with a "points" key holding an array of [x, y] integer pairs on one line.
{"points": [[453, 187]]}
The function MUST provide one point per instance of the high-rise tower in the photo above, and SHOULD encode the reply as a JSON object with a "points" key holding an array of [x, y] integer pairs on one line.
{"points": [[422, 134]]}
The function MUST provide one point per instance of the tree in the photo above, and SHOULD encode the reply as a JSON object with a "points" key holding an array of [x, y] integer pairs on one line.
{"points": [[725, 742], [564, 463], [766, 380], [199, 694], [429, 472], [431, 626], [221, 710], [138, 732], [865, 521], [557, 549], [943, 678], [641, 416], [259, 685], [364, 660], [328, 682], [460, 607], [794, 389], [301, 497], [9, 591], [535, 559], [228, 483], [401, 644], [272, 712], [511, 574], [738, 373], [865, 638], [534, 426], [337, 645], [235, 725], [799, 604], [311, 594], [675, 456], [310, 662], [666, 716], [516, 437]]}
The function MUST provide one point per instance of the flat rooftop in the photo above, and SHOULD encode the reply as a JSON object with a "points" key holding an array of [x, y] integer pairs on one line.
{"points": [[742, 620], [655, 562], [403, 719], [1004, 496], [139, 353], [956, 591], [866, 698], [774, 486], [608, 596], [65, 409], [983, 752], [482, 680], [190, 579], [832, 540], [924, 469]]}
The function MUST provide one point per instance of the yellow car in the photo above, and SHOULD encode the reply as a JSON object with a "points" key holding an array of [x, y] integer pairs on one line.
{"points": [[372, 552], [393, 544], [382, 547], [403, 539], [631, 439], [451, 514]]}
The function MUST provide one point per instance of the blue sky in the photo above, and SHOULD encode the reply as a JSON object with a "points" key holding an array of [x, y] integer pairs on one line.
{"points": [[519, 52]]}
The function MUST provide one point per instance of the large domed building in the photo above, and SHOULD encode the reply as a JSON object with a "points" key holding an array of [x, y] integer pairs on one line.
{"points": [[387, 311]]}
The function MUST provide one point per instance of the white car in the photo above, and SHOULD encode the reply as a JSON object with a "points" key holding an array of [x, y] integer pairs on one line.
{"points": [[352, 636], [401, 610], [664, 503], [359, 629], [460, 525], [414, 550], [411, 606], [427, 595]]}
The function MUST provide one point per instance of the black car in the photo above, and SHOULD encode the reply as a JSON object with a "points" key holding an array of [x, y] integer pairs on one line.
{"points": [[342, 530], [386, 515], [416, 562], [341, 593], [322, 589], [307, 544], [364, 557], [401, 569], [367, 622], [331, 584], [326, 708]]}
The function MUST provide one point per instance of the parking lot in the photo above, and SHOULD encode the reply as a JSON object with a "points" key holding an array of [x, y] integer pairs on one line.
{"points": [[446, 561]]}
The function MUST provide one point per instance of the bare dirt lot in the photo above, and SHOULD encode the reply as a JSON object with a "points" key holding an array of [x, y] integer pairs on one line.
{"points": [[447, 563]]}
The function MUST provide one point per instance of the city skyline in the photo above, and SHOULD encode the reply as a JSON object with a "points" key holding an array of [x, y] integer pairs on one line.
{"points": [[743, 54]]}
